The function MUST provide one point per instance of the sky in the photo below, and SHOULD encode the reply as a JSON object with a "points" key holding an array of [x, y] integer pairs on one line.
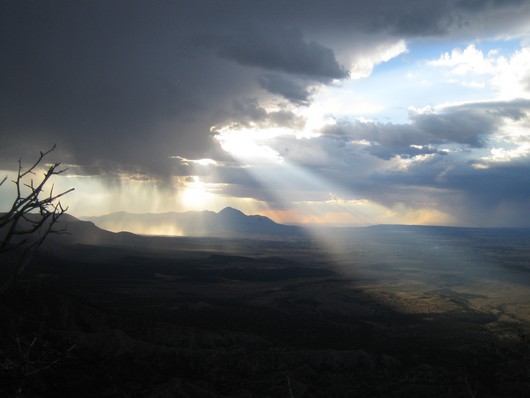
{"points": [[330, 112]]}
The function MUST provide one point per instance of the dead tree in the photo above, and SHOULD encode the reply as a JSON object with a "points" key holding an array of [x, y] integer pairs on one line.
{"points": [[33, 214]]}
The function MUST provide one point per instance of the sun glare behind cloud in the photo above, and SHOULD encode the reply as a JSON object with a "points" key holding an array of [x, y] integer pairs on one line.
{"points": [[250, 143], [195, 196]]}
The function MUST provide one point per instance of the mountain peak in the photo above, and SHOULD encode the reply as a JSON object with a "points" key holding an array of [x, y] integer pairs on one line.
{"points": [[231, 210]]}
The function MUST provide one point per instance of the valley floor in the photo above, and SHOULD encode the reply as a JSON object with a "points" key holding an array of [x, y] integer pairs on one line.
{"points": [[222, 318]]}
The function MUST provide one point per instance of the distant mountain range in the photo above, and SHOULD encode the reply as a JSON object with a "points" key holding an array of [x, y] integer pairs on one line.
{"points": [[229, 222], [232, 223]]}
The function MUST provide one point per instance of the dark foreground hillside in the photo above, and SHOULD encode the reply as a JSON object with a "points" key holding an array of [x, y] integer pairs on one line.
{"points": [[384, 317]]}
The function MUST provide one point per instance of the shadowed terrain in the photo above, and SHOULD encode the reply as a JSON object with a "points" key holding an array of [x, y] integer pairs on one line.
{"points": [[384, 311]]}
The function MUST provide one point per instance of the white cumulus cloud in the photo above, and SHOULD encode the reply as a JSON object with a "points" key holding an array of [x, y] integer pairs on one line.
{"points": [[508, 75]]}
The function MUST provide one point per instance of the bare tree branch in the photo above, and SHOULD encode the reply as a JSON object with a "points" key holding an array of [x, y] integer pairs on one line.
{"points": [[33, 214], [29, 354]]}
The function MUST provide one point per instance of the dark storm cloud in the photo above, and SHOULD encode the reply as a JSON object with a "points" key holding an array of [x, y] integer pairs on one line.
{"points": [[461, 126], [249, 110], [249, 113], [495, 196], [106, 81], [386, 140], [468, 125], [510, 181], [477, 5], [127, 84], [294, 91], [277, 48], [424, 18], [498, 195]]}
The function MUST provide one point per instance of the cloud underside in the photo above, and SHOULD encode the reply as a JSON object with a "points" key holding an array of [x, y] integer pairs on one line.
{"points": [[282, 50], [468, 126]]}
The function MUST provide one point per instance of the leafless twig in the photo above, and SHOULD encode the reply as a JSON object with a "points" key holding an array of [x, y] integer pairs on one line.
{"points": [[289, 385], [33, 214]]}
